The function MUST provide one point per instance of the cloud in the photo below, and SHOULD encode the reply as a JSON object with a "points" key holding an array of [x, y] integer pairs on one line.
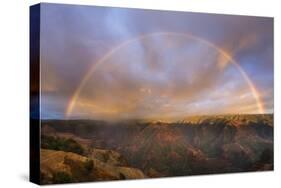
{"points": [[159, 76]]}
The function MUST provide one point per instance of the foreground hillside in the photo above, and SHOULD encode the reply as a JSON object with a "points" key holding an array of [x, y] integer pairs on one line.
{"points": [[66, 167], [196, 145], [68, 161]]}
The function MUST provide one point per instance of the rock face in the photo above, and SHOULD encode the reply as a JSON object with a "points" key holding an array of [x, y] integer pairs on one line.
{"points": [[210, 145], [65, 167], [201, 145], [109, 157]]}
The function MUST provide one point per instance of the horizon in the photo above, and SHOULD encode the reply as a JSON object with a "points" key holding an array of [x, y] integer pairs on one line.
{"points": [[163, 120]]}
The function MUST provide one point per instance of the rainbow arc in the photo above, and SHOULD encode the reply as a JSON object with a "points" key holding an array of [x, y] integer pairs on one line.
{"points": [[124, 44]]}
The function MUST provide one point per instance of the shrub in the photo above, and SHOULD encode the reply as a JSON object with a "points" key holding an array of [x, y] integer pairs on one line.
{"points": [[88, 165], [80, 170], [62, 144], [62, 177]]}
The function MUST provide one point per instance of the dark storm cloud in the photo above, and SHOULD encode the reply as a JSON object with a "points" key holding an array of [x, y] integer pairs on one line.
{"points": [[158, 76]]}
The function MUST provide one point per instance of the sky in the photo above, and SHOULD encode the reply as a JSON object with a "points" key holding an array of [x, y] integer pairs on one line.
{"points": [[116, 63]]}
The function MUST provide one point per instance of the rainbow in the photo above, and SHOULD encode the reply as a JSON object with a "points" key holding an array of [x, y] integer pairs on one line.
{"points": [[114, 50]]}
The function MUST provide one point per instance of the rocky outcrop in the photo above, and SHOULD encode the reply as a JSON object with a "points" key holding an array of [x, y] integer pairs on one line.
{"points": [[65, 167]]}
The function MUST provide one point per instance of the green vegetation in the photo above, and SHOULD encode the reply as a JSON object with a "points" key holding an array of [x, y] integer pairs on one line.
{"points": [[62, 177], [80, 170], [61, 144], [88, 165]]}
